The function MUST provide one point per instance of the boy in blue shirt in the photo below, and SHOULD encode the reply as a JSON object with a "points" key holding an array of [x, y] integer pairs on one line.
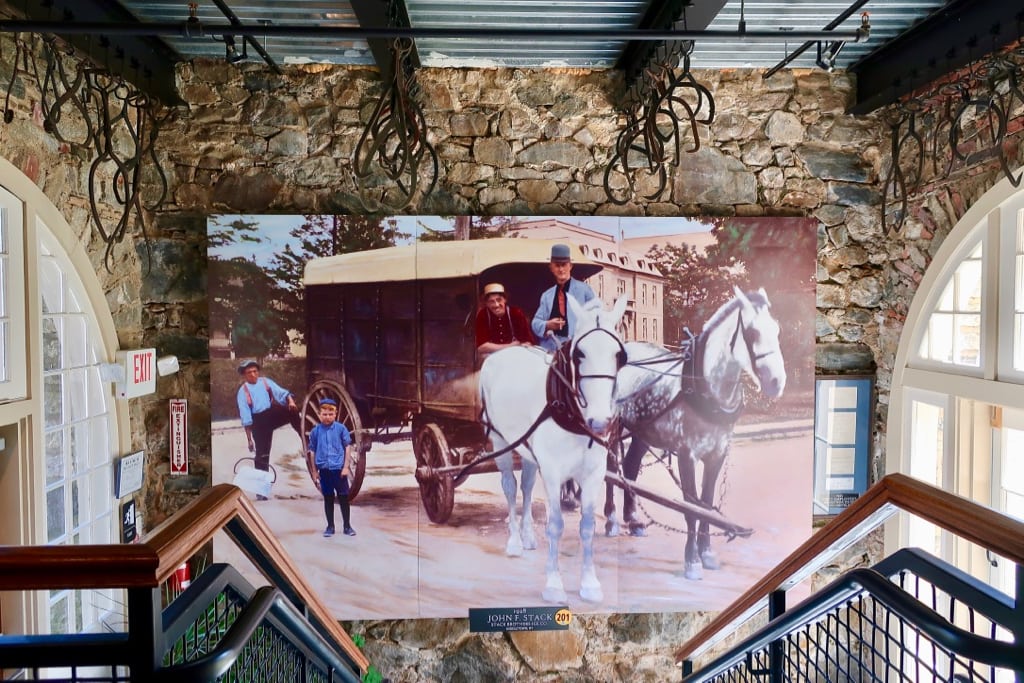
{"points": [[327, 459]]}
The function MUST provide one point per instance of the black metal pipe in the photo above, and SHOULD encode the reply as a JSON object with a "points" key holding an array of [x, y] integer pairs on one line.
{"points": [[189, 29], [230, 15], [840, 18]]}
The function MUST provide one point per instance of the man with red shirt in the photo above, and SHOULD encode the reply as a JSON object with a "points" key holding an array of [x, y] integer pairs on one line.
{"points": [[499, 325]]}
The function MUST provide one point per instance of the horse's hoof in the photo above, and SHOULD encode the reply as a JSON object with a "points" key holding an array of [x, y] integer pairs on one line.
{"points": [[513, 549], [693, 571], [710, 561], [555, 595], [612, 529], [637, 529], [529, 542], [594, 594]]}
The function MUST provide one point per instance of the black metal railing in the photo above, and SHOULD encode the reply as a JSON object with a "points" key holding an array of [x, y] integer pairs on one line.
{"points": [[218, 629], [911, 617]]}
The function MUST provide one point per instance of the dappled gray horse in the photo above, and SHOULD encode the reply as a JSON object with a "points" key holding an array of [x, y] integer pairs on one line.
{"points": [[688, 403]]}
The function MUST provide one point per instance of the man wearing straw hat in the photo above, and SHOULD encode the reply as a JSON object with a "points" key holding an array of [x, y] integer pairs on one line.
{"points": [[500, 325]]}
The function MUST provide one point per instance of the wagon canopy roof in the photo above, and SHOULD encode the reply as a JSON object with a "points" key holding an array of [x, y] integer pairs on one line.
{"points": [[433, 260]]}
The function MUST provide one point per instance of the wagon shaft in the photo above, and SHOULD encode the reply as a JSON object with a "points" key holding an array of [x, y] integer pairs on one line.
{"points": [[712, 517]]}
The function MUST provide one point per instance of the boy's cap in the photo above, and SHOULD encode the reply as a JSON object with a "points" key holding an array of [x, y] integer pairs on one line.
{"points": [[245, 365], [560, 253], [328, 402], [494, 288]]}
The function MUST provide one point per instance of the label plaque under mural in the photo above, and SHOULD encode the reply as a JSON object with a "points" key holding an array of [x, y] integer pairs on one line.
{"points": [[489, 620]]}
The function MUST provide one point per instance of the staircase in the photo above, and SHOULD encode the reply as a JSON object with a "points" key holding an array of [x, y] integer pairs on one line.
{"points": [[910, 618], [218, 628]]}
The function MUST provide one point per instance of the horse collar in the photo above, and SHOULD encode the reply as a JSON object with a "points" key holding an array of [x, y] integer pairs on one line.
{"points": [[695, 388]]}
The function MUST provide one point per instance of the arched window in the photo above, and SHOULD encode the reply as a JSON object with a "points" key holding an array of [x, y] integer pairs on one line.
{"points": [[63, 433], [956, 415]]}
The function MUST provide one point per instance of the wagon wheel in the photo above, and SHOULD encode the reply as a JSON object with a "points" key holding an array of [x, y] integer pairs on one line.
{"points": [[436, 490], [348, 416]]}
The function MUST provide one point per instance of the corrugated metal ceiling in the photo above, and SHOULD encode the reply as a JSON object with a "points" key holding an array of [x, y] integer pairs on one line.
{"points": [[888, 19]]}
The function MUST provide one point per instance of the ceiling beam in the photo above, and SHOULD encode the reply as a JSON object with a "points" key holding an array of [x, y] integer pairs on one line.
{"points": [[145, 61], [950, 38], [662, 14], [375, 13]]}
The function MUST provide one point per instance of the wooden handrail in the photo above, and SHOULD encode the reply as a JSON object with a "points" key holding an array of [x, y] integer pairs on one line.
{"points": [[967, 519], [150, 563]]}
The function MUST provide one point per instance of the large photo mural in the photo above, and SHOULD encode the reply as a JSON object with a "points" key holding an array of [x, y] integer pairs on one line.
{"points": [[442, 413]]}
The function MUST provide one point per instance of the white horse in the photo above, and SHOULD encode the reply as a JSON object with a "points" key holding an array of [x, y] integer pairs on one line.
{"points": [[529, 400], [688, 404]]}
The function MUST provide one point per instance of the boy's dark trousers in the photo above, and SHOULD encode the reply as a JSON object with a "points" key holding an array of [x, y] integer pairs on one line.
{"points": [[332, 482]]}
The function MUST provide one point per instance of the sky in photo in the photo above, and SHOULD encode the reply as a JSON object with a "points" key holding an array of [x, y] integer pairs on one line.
{"points": [[278, 227]]}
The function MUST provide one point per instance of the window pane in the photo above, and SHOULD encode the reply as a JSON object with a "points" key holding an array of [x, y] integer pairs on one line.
{"points": [[74, 331], [54, 456], [4, 288], [968, 289], [51, 344], [53, 400], [55, 514], [5, 333], [940, 334], [99, 445], [968, 340], [59, 615], [926, 455], [954, 327], [101, 485], [50, 279], [99, 391], [79, 448], [75, 391], [76, 519]]}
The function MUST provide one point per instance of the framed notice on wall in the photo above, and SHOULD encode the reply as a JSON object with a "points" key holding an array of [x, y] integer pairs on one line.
{"points": [[843, 411], [128, 474]]}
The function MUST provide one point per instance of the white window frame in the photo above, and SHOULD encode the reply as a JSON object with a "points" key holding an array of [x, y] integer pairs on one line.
{"points": [[991, 384], [13, 218], [24, 518], [1006, 218]]}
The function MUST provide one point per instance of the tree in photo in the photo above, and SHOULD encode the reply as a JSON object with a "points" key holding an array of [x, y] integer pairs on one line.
{"points": [[319, 236], [468, 228], [694, 288]]}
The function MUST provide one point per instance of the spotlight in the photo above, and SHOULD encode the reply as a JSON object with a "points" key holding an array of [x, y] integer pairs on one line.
{"points": [[231, 53], [827, 59]]}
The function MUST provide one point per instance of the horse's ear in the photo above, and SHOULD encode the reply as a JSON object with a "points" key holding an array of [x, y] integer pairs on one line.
{"points": [[619, 308], [742, 298]]}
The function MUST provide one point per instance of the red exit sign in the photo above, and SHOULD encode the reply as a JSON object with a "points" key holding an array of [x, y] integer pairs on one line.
{"points": [[139, 372]]}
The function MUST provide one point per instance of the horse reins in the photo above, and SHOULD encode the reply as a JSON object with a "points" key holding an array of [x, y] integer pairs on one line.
{"points": [[557, 410]]}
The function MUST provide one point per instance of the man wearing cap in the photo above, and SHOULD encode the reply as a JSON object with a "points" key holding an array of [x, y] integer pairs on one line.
{"points": [[499, 324], [553, 323], [264, 406]]}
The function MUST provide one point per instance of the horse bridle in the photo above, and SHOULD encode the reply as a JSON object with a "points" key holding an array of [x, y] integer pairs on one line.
{"points": [[748, 342], [550, 409], [577, 377]]}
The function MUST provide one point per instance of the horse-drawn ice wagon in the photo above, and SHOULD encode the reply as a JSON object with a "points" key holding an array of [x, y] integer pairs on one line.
{"points": [[390, 336]]}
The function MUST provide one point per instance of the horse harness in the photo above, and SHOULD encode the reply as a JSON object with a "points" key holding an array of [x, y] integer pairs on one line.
{"points": [[562, 386], [694, 387], [564, 400]]}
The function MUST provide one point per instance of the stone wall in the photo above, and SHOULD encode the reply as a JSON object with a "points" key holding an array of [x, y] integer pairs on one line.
{"points": [[524, 143], [510, 142]]}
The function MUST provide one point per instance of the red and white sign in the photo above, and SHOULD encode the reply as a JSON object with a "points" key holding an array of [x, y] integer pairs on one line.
{"points": [[179, 436], [139, 368]]}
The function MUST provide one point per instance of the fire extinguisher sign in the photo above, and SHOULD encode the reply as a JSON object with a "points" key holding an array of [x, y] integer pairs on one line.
{"points": [[179, 436]]}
